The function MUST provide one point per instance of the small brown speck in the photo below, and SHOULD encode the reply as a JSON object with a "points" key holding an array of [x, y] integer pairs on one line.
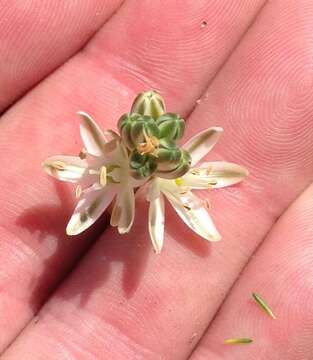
{"points": [[204, 24]]}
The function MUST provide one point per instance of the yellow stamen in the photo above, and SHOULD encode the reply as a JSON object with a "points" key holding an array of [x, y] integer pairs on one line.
{"points": [[78, 191], [179, 182], [212, 183], [103, 176], [195, 172], [58, 165]]}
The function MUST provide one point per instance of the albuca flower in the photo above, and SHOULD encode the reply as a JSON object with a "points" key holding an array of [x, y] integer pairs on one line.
{"points": [[144, 154], [102, 174], [191, 209]]}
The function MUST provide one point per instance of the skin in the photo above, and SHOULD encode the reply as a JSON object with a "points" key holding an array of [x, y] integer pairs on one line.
{"points": [[101, 295]]}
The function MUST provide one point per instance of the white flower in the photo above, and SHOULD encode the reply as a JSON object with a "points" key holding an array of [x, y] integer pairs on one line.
{"points": [[191, 209], [101, 172]]}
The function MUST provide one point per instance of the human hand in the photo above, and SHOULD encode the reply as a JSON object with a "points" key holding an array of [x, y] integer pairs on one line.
{"points": [[249, 63]]}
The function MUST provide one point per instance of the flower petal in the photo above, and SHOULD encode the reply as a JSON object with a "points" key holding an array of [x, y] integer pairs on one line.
{"points": [[213, 175], [124, 210], [110, 135], [91, 134], [156, 222], [89, 208], [65, 168], [202, 143], [192, 211], [153, 190]]}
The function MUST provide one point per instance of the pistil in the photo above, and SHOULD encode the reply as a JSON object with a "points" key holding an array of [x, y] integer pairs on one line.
{"points": [[149, 146]]}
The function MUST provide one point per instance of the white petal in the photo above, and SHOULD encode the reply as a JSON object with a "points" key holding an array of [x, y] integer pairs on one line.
{"points": [[156, 222], [213, 175], [135, 183], [192, 211], [110, 135], [89, 208], [153, 190], [91, 134], [142, 192], [65, 168], [124, 210], [201, 144]]}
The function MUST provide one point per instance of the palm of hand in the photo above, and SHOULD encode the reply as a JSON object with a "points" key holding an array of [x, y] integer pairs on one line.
{"points": [[252, 66]]}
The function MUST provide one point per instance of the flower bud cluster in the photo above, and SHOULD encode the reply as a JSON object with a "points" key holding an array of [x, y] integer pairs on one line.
{"points": [[150, 135]]}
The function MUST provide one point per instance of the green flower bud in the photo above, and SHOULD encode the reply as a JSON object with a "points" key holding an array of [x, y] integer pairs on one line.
{"points": [[180, 170], [142, 166], [134, 128], [168, 159], [171, 126], [149, 103], [167, 144]]}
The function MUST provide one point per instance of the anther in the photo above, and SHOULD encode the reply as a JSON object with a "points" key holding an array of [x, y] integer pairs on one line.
{"points": [[149, 146], [179, 181], [103, 176], [58, 165]]}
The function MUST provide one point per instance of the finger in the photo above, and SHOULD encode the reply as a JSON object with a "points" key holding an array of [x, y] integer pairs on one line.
{"points": [[167, 50], [36, 37], [103, 82], [140, 304], [281, 271]]}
